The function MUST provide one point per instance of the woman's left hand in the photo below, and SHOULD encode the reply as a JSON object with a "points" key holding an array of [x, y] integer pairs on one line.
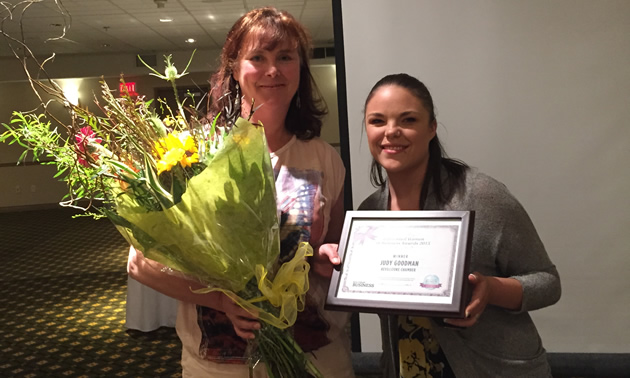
{"points": [[324, 258], [478, 301]]}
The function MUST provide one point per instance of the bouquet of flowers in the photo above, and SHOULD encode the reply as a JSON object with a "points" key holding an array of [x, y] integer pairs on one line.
{"points": [[194, 195]]}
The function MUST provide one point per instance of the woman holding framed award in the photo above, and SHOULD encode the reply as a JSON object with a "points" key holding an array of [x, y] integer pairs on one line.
{"points": [[512, 273]]}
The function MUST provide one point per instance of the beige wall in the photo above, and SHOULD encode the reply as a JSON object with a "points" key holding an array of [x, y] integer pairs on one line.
{"points": [[536, 94]]}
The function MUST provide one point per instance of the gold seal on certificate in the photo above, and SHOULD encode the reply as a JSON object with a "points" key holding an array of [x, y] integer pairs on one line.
{"points": [[406, 262]]}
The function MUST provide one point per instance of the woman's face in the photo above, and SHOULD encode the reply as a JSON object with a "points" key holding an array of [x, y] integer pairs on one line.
{"points": [[399, 130], [270, 77]]}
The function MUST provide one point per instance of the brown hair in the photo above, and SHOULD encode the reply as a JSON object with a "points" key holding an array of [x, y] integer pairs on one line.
{"points": [[266, 28], [443, 187]]}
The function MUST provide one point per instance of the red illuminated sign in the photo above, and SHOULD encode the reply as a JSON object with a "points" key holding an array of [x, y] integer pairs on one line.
{"points": [[130, 86]]}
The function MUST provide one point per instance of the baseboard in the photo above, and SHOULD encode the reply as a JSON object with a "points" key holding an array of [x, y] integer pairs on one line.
{"points": [[600, 365], [563, 365], [39, 206]]}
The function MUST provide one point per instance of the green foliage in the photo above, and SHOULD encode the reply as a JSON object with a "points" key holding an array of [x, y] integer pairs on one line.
{"points": [[195, 196], [101, 156], [34, 133]]}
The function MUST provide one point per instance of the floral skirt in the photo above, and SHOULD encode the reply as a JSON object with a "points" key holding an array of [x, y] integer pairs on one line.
{"points": [[419, 351]]}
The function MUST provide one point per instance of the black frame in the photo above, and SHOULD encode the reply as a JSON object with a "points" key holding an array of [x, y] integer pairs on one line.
{"points": [[460, 269], [344, 139]]}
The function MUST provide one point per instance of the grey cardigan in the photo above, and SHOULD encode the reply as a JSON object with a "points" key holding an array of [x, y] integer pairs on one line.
{"points": [[505, 244]]}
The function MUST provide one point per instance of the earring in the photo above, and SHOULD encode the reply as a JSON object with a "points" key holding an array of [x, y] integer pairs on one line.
{"points": [[237, 87], [238, 93]]}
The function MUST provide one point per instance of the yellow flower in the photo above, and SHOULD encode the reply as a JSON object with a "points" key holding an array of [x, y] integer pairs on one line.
{"points": [[176, 148], [419, 321], [170, 121], [240, 139], [413, 362]]}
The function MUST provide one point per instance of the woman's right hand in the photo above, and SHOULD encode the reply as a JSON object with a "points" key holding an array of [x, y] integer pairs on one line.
{"points": [[244, 322], [149, 273]]}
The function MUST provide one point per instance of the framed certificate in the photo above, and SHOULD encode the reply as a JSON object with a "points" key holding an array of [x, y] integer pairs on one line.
{"points": [[403, 262]]}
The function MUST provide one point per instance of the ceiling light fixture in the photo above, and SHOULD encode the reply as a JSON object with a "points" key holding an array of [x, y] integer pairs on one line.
{"points": [[191, 40], [166, 19], [160, 3]]}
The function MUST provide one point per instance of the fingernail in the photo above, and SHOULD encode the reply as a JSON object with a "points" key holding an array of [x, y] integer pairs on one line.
{"points": [[467, 314], [336, 260], [447, 321]]}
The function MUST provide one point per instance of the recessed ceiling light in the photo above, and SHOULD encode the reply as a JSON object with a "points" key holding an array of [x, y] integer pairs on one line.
{"points": [[211, 17], [191, 40], [166, 19]]}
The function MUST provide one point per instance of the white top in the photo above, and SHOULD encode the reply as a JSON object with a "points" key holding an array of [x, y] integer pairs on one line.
{"points": [[309, 179]]}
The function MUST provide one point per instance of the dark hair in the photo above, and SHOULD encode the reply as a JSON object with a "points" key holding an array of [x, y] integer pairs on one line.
{"points": [[444, 188], [266, 27]]}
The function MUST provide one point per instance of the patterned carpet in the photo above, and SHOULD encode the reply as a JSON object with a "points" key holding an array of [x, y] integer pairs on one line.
{"points": [[63, 288]]}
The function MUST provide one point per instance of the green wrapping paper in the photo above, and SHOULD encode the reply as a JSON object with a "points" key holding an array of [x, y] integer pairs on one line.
{"points": [[225, 233], [212, 217], [226, 223]]}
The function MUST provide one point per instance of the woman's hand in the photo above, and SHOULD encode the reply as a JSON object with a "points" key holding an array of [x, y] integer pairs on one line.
{"points": [[150, 273], [478, 302], [244, 322], [504, 292], [324, 259]]}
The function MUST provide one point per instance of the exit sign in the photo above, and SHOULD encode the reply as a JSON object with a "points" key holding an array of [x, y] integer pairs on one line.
{"points": [[129, 87]]}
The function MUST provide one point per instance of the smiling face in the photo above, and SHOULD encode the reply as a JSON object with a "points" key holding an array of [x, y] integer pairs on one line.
{"points": [[399, 129], [269, 76]]}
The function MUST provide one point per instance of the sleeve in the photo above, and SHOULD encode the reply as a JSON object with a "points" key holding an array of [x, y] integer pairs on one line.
{"points": [[518, 251]]}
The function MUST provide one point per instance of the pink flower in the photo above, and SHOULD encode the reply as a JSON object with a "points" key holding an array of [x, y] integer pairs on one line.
{"points": [[84, 138]]}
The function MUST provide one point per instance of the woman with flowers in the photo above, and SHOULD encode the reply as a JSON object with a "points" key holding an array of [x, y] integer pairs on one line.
{"points": [[512, 271], [264, 63]]}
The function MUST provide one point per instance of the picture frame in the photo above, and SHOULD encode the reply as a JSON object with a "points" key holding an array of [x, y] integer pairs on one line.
{"points": [[403, 262]]}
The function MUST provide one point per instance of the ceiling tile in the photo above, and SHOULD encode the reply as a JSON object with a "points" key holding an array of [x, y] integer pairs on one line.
{"points": [[134, 24]]}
